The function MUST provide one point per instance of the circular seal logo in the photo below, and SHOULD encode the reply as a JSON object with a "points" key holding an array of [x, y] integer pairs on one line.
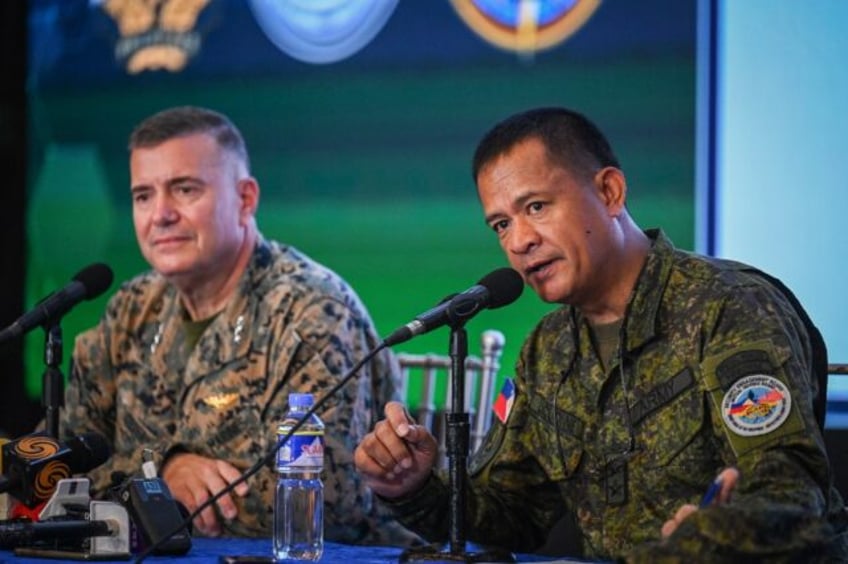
{"points": [[321, 31], [525, 26], [755, 405]]}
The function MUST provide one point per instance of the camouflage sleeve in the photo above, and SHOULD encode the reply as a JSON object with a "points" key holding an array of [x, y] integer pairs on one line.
{"points": [[425, 510], [779, 511], [90, 405], [510, 490]]}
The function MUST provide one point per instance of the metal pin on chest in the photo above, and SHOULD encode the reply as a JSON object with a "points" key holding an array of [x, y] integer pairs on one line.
{"points": [[238, 329], [156, 338]]}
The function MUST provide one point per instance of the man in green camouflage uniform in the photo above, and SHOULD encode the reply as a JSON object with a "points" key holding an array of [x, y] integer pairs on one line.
{"points": [[195, 359], [662, 370]]}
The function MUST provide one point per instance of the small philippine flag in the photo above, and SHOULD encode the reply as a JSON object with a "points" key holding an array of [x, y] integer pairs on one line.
{"points": [[503, 403]]}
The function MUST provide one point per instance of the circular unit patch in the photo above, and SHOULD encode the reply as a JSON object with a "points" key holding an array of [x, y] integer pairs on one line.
{"points": [[756, 405]]}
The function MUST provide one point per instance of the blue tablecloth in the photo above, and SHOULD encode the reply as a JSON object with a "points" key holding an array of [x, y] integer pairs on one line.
{"points": [[210, 550]]}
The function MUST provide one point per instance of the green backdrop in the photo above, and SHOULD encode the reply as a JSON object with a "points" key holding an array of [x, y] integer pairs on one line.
{"points": [[366, 170]]}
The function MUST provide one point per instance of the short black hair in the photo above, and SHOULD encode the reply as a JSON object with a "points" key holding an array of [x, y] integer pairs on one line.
{"points": [[188, 120], [570, 138]]}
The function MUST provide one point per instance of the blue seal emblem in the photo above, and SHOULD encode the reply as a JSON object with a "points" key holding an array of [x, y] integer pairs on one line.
{"points": [[321, 31]]}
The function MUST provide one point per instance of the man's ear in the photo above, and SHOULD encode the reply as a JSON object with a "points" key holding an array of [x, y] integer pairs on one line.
{"points": [[612, 187], [248, 192]]}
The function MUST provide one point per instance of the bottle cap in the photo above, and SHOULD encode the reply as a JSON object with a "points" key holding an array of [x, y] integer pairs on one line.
{"points": [[300, 400]]}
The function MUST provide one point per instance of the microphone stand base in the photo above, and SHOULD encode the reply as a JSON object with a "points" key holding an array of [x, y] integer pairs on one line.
{"points": [[446, 554]]}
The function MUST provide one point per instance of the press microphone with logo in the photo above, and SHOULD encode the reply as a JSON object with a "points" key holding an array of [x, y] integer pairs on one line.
{"points": [[498, 288], [88, 283], [34, 464]]}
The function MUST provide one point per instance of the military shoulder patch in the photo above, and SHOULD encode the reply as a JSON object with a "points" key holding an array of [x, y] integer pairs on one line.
{"points": [[755, 405], [505, 400]]}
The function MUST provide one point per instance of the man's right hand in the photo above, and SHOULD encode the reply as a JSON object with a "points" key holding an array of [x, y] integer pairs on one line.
{"points": [[193, 479], [729, 478], [396, 458]]}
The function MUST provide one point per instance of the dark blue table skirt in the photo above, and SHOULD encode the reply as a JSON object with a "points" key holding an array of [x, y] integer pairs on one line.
{"points": [[209, 551]]}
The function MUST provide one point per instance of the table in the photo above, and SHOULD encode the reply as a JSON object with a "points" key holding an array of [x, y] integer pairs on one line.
{"points": [[208, 551]]}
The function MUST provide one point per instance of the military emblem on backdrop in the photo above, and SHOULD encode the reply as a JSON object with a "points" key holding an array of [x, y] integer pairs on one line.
{"points": [[155, 34], [322, 32], [525, 26]]}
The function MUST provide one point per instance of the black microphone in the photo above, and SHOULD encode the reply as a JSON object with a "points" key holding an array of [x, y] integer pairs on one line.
{"points": [[34, 464], [14, 534], [498, 288], [88, 283]]}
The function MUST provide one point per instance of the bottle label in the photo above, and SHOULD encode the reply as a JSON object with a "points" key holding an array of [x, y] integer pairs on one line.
{"points": [[302, 449]]}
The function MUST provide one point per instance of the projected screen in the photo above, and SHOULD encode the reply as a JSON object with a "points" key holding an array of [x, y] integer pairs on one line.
{"points": [[362, 155]]}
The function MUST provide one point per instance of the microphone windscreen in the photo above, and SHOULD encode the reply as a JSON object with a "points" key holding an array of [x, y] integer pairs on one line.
{"points": [[95, 278], [505, 286], [88, 451]]}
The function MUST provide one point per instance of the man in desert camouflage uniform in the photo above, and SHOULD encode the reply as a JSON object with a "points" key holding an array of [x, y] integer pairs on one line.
{"points": [[195, 359], [662, 370]]}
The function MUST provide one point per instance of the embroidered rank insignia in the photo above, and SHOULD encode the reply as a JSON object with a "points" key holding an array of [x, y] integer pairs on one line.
{"points": [[503, 403], [222, 401], [755, 405]]}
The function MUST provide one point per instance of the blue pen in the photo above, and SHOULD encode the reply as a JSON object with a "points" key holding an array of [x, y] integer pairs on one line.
{"points": [[712, 491]]}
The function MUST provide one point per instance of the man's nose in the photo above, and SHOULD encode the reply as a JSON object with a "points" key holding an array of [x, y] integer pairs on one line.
{"points": [[164, 211], [523, 237]]}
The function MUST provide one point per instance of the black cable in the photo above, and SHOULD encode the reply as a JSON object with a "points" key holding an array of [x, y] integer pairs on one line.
{"points": [[264, 460]]}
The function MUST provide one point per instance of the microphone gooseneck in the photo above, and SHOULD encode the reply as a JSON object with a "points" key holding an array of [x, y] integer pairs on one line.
{"points": [[497, 289], [87, 284]]}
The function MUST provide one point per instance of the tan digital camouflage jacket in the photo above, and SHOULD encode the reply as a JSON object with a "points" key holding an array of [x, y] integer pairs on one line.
{"points": [[716, 367], [293, 326]]}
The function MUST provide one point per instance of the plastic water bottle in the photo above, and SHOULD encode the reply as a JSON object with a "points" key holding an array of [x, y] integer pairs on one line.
{"points": [[299, 500]]}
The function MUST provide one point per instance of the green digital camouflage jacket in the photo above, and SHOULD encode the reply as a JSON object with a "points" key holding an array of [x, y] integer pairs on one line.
{"points": [[293, 326], [714, 372]]}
